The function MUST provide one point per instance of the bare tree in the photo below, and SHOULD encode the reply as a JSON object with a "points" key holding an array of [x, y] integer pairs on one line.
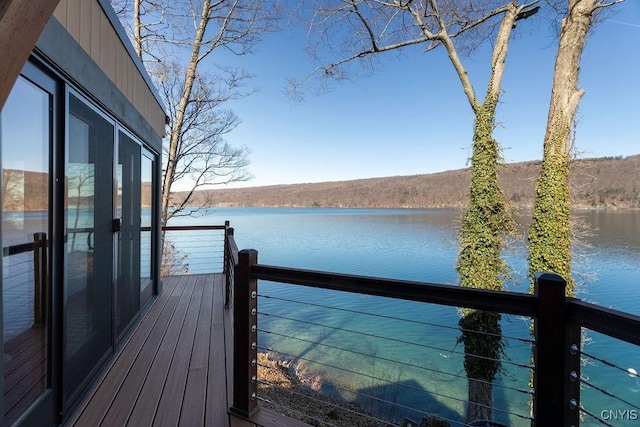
{"points": [[202, 157], [164, 34], [550, 231], [357, 31]]}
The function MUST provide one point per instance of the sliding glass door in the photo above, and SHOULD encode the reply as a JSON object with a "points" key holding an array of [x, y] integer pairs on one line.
{"points": [[108, 274], [88, 293], [128, 232], [78, 241], [147, 215], [27, 128]]}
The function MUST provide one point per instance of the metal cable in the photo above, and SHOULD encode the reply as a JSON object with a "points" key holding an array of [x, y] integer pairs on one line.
{"points": [[595, 417], [477, 356], [324, 402], [409, 407], [286, 408], [610, 364], [368, 396], [603, 391], [406, 386], [392, 361], [383, 316], [301, 414]]}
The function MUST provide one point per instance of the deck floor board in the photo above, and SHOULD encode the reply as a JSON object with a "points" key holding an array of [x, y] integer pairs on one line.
{"points": [[143, 410], [195, 393], [175, 368], [98, 402], [170, 406]]}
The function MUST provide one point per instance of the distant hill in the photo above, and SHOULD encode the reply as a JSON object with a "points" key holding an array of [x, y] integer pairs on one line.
{"points": [[28, 191], [600, 182], [24, 190]]}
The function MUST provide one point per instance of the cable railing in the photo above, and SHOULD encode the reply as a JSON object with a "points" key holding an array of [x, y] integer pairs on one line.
{"points": [[25, 284], [604, 373], [324, 346], [563, 392], [230, 262], [388, 377], [193, 249]]}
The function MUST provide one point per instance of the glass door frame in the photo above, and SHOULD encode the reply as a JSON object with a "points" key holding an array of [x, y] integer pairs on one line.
{"points": [[118, 215], [51, 408], [148, 288], [68, 402], [44, 410], [116, 232]]}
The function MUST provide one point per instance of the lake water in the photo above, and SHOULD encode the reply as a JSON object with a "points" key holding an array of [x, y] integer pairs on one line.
{"points": [[416, 244]]}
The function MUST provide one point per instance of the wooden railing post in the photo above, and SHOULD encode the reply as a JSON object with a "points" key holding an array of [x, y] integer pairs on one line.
{"points": [[245, 336], [557, 370], [39, 278], [225, 267], [229, 266]]}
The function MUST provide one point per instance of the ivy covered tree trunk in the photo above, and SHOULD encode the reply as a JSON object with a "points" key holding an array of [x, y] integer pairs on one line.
{"points": [[480, 265], [375, 27], [549, 235]]}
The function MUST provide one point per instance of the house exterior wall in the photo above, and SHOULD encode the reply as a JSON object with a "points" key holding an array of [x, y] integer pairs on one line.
{"points": [[83, 54], [98, 33]]}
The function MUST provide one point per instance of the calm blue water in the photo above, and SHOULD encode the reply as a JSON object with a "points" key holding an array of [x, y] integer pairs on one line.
{"points": [[421, 245]]}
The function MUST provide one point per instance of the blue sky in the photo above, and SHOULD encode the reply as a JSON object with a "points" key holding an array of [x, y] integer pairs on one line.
{"points": [[411, 116]]}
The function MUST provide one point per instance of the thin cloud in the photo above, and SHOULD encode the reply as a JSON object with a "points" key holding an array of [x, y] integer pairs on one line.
{"points": [[624, 23]]}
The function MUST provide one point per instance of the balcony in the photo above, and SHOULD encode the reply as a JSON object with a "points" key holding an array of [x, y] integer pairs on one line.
{"points": [[193, 358]]}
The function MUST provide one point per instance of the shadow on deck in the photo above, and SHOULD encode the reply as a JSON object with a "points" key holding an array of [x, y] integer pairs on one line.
{"points": [[175, 368]]}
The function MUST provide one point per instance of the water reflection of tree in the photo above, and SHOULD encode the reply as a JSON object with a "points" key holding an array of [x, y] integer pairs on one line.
{"points": [[13, 189], [81, 183]]}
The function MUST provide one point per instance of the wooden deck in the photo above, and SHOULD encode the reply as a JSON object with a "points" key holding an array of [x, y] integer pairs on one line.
{"points": [[24, 371], [175, 369]]}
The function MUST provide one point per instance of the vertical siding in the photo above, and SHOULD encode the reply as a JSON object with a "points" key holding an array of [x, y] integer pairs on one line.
{"points": [[61, 13], [85, 24], [90, 27], [108, 50], [121, 71], [131, 75], [94, 52]]}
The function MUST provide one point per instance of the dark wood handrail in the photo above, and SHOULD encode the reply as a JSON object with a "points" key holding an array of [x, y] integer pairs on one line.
{"points": [[614, 323], [40, 272], [80, 230], [192, 227], [557, 324], [456, 296], [22, 248], [233, 250], [19, 249], [230, 262]]}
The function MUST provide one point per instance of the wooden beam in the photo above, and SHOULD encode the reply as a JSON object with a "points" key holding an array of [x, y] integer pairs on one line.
{"points": [[21, 22]]}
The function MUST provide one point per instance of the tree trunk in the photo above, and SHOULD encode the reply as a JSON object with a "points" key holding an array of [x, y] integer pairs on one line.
{"points": [[480, 392], [549, 235], [487, 217], [178, 122], [137, 28], [485, 222], [480, 264]]}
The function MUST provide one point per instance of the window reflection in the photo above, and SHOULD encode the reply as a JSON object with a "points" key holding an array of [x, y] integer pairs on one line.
{"points": [[146, 221], [25, 125], [89, 247]]}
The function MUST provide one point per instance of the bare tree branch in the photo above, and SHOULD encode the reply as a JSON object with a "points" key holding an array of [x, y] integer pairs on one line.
{"points": [[393, 25]]}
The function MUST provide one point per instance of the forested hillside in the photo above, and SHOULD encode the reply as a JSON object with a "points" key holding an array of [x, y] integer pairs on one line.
{"points": [[602, 182], [24, 191]]}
